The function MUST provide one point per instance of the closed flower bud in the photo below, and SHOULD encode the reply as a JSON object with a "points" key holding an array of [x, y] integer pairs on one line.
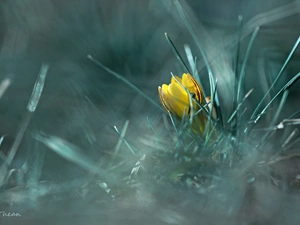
{"points": [[182, 97]]}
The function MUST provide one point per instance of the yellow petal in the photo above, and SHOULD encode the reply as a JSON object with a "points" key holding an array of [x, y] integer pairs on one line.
{"points": [[162, 97], [170, 103], [187, 81], [193, 87], [173, 80], [178, 92], [165, 88], [178, 107], [175, 97]]}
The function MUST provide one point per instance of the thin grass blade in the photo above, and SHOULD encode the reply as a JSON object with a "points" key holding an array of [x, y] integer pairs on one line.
{"points": [[31, 107], [142, 93], [178, 56], [277, 77]]}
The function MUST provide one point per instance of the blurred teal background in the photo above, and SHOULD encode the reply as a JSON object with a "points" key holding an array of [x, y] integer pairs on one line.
{"points": [[127, 37]]}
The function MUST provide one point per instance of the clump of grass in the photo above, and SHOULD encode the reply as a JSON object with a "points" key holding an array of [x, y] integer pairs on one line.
{"points": [[188, 158], [189, 161]]}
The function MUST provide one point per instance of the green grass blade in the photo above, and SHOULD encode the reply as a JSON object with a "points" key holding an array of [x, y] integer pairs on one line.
{"points": [[178, 56], [151, 126], [286, 87], [192, 63], [277, 77], [243, 69], [194, 36], [31, 107], [111, 126], [236, 67], [142, 93]]}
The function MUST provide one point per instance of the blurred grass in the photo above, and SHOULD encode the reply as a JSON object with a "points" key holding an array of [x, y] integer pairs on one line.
{"points": [[128, 38]]}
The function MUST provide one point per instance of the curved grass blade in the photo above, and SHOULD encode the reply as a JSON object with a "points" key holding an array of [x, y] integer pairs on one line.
{"points": [[38, 88], [242, 74], [31, 107], [280, 107], [277, 77], [207, 64], [208, 124], [286, 87], [192, 63], [126, 82], [287, 143], [121, 138], [273, 122], [173, 123], [151, 126], [236, 68], [68, 151], [111, 126], [178, 56], [294, 114], [238, 107], [4, 85]]}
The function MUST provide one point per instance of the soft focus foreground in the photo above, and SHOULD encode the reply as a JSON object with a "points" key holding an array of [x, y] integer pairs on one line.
{"points": [[85, 140]]}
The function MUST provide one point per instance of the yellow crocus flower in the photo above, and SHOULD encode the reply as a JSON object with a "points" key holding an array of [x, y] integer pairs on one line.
{"points": [[179, 98]]}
